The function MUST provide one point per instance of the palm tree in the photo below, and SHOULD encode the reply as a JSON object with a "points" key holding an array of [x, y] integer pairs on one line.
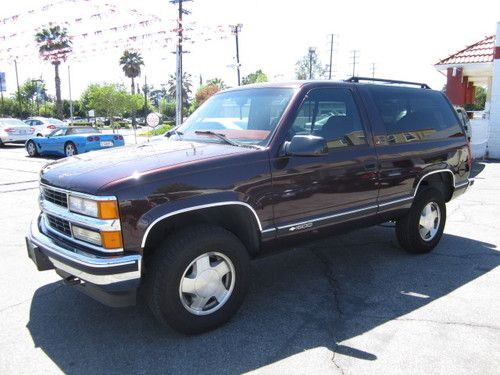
{"points": [[131, 62], [186, 87], [54, 45], [217, 82]]}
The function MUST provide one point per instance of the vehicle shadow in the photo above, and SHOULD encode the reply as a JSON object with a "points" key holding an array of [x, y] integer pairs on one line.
{"points": [[311, 297]]}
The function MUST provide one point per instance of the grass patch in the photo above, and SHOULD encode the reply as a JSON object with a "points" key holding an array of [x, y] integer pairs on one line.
{"points": [[159, 130]]}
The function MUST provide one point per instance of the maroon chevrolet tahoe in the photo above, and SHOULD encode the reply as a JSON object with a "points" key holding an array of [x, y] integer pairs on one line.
{"points": [[254, 169]]}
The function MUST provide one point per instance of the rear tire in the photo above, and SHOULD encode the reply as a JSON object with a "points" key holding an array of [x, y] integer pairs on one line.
{"points": [[197, 279], [31, 148], [70, 149], [420, 230]]}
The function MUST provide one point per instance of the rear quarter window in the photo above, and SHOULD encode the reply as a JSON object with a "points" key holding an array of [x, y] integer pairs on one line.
{"points": [[412, 115]]}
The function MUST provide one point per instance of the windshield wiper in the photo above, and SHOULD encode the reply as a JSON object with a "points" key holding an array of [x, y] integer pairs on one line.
{"points": [[174, 131], [221, 136]]}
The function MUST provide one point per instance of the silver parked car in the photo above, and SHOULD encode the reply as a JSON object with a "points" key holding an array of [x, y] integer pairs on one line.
{"points": [[44, 125], [14, 131]]}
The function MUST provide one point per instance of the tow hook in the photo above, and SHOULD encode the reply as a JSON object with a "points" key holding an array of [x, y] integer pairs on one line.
{"points": [[72, 280]]}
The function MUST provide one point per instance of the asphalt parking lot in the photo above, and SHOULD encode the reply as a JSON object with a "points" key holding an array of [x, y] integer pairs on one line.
{"points": [[353, 304]]}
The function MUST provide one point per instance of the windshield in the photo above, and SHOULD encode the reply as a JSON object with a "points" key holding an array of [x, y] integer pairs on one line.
{"points": [[247, 116], [56, 122]]}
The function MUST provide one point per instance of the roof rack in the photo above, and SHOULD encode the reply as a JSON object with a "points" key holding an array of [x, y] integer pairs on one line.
{"points": [[391, 81]]}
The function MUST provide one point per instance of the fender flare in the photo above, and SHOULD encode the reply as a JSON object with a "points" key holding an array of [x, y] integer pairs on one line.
{"points": [[197, 208]]}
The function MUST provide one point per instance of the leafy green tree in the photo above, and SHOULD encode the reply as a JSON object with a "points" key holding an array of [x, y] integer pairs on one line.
{"points": [[54, 45], [480, 100], [167, 109], [110, 100], [256, 77], [309, 63], [131, 62], [217, 82]]}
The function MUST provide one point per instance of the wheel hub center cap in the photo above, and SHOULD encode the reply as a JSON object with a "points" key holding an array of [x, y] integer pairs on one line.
{"points": [[207, 283]]}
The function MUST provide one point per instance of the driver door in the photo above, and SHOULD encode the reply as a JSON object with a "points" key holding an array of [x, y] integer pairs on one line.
{"points": [[315, 191], [55, 143]]}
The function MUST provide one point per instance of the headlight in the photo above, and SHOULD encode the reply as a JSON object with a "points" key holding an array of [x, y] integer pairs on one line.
{"points": [[108, 240], [83, 206], [87, 235], [100, 209]]}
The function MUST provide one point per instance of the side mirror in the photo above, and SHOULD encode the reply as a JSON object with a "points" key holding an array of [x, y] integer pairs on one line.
{"points": [[306, 145]]}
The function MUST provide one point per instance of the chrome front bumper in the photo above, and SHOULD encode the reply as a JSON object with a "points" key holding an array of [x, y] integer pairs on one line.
{"points": [[111, 272]]}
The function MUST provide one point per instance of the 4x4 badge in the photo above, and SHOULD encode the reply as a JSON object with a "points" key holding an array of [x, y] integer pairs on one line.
{"points": [[301, 226]]}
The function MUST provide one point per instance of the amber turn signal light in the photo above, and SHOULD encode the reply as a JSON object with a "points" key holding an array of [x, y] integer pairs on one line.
{"points": [[112, 240], [108, 210]]}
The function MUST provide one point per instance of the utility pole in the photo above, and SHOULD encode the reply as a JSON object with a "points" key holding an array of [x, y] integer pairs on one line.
{"points": [[70, 100], [354, 58], [145, 95], [18, 91], [373, 70], [312, 51], [331, 57], [1, 92], [235, 29], [178, 67]]}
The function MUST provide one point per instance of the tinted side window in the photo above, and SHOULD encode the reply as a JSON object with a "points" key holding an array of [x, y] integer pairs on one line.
{"points": [[333, 115], [411, 115]]}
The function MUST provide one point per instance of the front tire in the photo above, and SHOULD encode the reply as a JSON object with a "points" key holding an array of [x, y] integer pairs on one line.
{"points": [[197, 279], [31, 148], [70, 149], [421, 229]]}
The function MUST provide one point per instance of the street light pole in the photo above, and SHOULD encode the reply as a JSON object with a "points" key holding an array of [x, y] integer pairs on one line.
{"points": [[312, 50], [18, 92], [70, 100], [178, 70], [235, 29], [331, 58]]}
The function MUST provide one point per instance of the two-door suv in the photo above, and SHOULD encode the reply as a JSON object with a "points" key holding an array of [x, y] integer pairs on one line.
{"points": [[253, 169]]}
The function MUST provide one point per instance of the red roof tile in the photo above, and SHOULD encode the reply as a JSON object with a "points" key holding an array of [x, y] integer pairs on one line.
{"points": [[479, 52]]}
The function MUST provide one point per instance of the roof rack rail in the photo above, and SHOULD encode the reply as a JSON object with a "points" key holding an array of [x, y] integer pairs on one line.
{"points": [[357, 79]]}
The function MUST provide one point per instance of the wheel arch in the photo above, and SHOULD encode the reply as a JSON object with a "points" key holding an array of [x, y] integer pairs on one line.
{"points": [[441, 179], [237, 217]]}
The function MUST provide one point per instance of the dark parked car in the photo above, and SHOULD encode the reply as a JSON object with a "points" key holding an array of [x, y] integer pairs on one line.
{"points": [[254, 169]]}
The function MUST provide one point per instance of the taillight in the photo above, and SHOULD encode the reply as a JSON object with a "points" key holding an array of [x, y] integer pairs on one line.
{"points": [[9, 130], [90, 139], [51, 127], [115, 137], [96, 138], [32, 130], [120, 137]]}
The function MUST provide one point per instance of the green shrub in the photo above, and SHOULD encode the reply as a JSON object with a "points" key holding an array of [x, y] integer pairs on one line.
{"points": [[158, 130]]}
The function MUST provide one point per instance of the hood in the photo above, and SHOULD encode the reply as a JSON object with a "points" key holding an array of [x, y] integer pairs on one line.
{"points": [[87, 173]]}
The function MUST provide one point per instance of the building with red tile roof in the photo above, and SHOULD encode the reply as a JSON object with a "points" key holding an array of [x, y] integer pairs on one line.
{"points": [[465, 69]]}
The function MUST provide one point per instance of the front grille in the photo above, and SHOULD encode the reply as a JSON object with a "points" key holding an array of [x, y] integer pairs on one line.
{"points": [[59, 225], [56, 197]]}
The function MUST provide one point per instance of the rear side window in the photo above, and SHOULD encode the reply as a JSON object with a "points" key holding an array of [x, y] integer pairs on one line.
{"points": [[412, 115], [332, 114]]}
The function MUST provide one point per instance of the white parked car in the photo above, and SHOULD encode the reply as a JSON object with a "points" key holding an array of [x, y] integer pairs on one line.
{"points": [[14, 131], [44, 125]]}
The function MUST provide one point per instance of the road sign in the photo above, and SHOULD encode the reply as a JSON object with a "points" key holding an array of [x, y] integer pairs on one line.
{"points": [[91, 113], [3, 86], [153, 120]]}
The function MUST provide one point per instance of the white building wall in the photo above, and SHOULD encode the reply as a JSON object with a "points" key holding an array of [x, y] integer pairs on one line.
{"points": [[494, 127]]}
